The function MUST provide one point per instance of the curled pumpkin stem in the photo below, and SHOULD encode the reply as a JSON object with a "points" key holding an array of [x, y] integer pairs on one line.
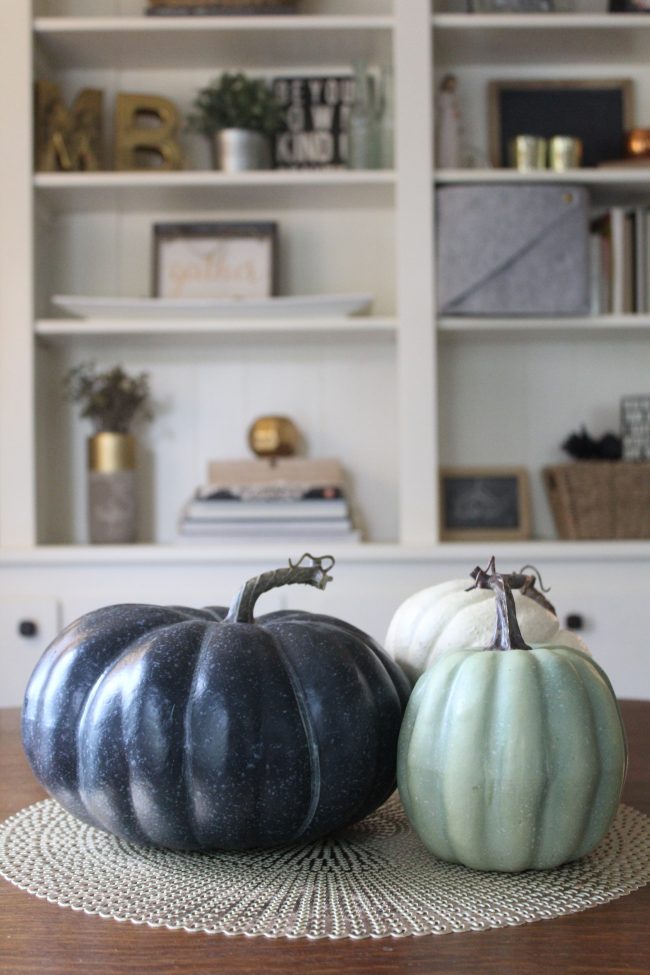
{"points": [[309, 570], [529, 587], [516, 580], [321, 565]]}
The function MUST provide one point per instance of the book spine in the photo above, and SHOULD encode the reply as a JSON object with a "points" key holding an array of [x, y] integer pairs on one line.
{"points": [[640, 260], [264, 493], [283, 511], [617, 215]]}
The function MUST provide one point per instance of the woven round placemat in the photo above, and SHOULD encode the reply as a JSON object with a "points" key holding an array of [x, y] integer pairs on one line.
{"points": [[375, 879]]}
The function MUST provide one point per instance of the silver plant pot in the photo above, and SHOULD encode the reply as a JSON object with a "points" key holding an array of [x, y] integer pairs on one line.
{"points": [[235, 150]]}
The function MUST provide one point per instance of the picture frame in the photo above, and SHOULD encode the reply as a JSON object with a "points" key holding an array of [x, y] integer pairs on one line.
{"points": [[215, 259], [484, 503], [596, 111]]}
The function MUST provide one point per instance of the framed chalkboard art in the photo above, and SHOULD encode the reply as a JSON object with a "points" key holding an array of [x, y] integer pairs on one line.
{"points": [[596, 111], [489, 503]]}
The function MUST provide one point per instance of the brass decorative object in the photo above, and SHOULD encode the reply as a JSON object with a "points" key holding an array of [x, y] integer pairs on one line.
{"points": [[273, 436], [67, 139], [109, 452], [136, 144], [527, 153], [564, 152]]}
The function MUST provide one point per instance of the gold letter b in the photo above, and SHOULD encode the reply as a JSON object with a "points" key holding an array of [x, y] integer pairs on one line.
{"points": [[135, 143]]}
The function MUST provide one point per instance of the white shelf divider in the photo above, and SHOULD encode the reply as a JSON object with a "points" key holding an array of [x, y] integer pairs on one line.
{"points": [[17, 384], [416, 364]]}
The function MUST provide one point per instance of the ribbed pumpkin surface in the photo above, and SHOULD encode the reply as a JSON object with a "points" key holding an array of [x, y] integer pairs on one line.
{"points": [[512, 760], [450, 616], [167, 726]]}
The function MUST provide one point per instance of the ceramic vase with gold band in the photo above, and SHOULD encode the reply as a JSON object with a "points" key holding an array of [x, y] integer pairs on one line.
{"points": [[111, 488]]}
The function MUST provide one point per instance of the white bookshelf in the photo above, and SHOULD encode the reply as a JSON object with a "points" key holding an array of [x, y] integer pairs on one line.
{"points": [[393, 393]]}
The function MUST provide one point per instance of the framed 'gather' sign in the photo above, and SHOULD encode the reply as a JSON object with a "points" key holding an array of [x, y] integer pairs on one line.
{"points": [[219, 259]]}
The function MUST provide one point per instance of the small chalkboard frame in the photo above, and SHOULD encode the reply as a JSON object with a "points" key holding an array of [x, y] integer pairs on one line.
{"points": [[597, 111], [506, 484]]}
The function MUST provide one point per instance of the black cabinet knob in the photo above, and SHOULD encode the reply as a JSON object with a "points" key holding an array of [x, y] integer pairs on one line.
{"points": [[575, 621], [27, 628]]}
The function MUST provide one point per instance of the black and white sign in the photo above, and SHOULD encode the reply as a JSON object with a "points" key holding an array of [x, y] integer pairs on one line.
{"points": [[316, 116]]}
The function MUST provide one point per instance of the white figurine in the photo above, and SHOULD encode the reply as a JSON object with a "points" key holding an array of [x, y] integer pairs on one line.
{"points": [[448, 124]]}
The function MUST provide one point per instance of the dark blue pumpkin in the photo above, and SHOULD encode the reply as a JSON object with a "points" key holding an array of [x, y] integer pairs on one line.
{"points": [[202, 728]]}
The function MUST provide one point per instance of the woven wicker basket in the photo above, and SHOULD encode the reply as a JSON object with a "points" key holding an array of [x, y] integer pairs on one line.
{"points": [[600, 499]]}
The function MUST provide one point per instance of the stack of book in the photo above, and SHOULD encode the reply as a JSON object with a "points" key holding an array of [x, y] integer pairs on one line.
{"points": [[185, 8], [259, 501]]}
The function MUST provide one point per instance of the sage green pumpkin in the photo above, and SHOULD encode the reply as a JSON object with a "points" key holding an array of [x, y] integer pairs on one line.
{"points": [[512, 758]]}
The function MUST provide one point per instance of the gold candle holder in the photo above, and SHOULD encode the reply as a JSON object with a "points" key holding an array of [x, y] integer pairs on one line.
{"points": [[527, 152], [564, 152]]}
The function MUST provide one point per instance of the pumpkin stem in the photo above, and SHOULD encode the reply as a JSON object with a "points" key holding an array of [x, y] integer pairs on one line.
{"points": [[516, 580], [309, 570], [507, 635], [527, 584]]}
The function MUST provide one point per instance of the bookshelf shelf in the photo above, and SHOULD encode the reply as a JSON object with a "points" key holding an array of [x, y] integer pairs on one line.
{"points": [[585, 327], [174, 42]]}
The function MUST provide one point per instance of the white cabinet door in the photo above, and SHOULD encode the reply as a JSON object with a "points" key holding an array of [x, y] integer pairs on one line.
{"points": [[27, 626], [615, 617]]}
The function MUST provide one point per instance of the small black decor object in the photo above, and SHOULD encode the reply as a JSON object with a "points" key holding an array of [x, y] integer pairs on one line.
{"points": [[582, 446]]}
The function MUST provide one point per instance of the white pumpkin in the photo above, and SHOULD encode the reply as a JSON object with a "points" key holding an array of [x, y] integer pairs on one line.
{"points": [[447, 617]]}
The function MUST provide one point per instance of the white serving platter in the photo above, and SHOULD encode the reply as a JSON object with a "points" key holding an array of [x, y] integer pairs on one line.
{"points": [[289, 306]]}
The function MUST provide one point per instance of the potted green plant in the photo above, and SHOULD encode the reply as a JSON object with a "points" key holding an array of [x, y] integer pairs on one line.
{"points": [[239, 115], [112, 400]]}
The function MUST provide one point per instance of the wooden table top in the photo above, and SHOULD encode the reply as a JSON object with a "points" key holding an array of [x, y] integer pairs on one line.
{"points": [[38, 937]]}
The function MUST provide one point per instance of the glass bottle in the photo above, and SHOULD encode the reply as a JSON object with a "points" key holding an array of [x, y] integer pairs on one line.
{"points": [[386, 120], [363, 142]]}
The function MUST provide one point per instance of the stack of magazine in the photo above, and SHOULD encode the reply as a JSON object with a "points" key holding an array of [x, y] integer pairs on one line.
{"points": [[260, 501]]}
